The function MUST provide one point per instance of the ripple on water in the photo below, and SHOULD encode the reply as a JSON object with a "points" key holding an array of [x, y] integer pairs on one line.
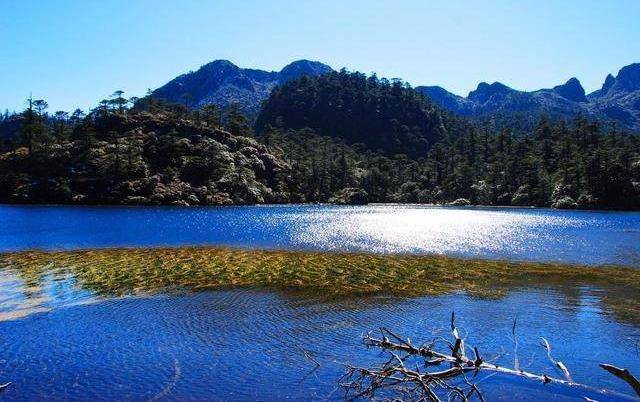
{"points": [[244, 344]]}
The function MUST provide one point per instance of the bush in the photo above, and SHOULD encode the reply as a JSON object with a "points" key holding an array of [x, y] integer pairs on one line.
{"points": [[350, 196], [460, 202], [565, 203]]}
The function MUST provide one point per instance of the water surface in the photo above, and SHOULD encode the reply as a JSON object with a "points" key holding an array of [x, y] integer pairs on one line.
{"points": [[69, 332], [584, 237], [244, 344]]}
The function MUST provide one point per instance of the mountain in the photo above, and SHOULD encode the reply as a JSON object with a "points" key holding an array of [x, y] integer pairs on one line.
{"points": [[618, 99], [222, 83], [385, 116], [571, 90]]}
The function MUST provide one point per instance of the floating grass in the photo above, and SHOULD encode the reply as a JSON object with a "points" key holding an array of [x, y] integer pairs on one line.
{"points": [[119, 272]]}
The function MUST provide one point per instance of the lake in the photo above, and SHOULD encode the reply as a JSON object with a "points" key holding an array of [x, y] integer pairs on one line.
{"points": [[63, 337], [582, 237]]}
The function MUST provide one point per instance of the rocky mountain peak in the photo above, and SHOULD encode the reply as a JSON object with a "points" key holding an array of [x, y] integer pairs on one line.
{"points": [[485, 91], [628, 78], [218, 66], [571, 90], [608, 83], [222, 83], [302, 67]]}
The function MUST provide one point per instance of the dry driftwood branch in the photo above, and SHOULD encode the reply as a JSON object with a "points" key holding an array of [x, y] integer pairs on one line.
{"points": [[556, 363], [430, 380], [624, 375]]}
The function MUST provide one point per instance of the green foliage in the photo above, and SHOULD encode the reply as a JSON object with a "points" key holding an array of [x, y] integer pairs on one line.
{"points": [[334, 144], [577, 166], [151, 154], [384, 115]]}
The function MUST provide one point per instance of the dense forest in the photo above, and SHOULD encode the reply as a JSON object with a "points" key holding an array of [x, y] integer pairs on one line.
{"points": [[147, 154], [341, 137], [385, 115]]}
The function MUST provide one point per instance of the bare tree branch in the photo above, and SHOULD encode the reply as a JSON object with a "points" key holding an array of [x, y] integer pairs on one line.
{"points": [[427, 382], [308, 355], [557, 363], [624, 375]]}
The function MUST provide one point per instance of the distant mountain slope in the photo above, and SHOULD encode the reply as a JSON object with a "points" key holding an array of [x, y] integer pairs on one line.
{"points": [[619, 100], [619, 97], [222, 83]]}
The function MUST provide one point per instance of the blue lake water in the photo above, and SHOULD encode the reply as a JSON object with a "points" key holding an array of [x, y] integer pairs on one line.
{"points": [[61, 340], [586, 237], [244, 345]]}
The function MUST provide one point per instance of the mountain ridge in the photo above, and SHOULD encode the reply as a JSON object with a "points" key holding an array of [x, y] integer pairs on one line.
{"points": [[618, 99], [222, 83]]}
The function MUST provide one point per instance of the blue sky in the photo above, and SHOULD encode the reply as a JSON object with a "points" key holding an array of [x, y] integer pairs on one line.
{"points": [[74, 53]]}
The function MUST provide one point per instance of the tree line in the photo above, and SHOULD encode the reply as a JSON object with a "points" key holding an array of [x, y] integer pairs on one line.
{"points": [[342, 137]]}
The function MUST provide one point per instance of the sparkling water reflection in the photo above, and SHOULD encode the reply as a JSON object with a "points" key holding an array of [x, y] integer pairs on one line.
{"points": [[586, 237]]}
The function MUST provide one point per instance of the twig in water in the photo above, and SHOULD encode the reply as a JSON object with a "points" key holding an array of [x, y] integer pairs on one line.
{"points": [[308, 355], [557, 363], [516, 362], [624, 375], [177, 373]]}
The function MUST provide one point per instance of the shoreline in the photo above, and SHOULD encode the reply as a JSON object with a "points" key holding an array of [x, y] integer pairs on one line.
{"points": [[373, 204]]}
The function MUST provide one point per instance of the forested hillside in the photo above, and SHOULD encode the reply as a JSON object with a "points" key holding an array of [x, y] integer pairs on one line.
{"points": [[342, 137], [561, 165], [384, 115], [153, 154]]}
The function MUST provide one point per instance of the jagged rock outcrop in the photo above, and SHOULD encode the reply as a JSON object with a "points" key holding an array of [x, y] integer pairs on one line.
{"points": [[571, 90]]}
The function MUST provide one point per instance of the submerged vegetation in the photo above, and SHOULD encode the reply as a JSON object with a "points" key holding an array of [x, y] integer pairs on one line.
{"points": [[120, 272], [341, 137]]}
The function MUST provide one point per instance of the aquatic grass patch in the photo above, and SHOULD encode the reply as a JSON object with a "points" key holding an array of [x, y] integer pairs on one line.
{"points": [[119, 272]]}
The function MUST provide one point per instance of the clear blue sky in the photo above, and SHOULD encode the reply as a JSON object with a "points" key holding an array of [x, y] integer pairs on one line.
{"points": [[74, 53]]}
